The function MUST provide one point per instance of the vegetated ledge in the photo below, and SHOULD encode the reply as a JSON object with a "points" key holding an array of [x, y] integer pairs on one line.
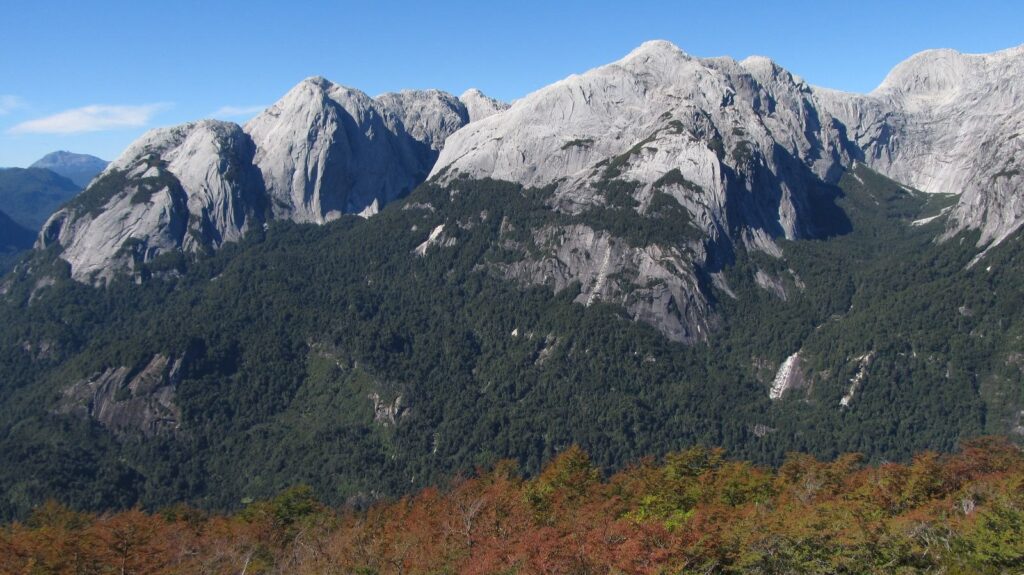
{"points": [[692, 512]]}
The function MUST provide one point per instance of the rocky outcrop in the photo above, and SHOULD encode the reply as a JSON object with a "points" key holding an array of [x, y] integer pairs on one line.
{"points": [[322, 151], [863, 362], [126, 402], [946, 122], [726, 152], [656, 285], [480, 106], [740, 143], [428, 116], [436, 238], [941, 122], [325, 150], [189, 188], [749, 151], [771, 284], [790, 376], [386, 413]]}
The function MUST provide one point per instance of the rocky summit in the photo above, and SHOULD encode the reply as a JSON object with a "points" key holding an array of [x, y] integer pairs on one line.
{"points": [[750, 152], [946, 122], [326, 150], [183, 188]]}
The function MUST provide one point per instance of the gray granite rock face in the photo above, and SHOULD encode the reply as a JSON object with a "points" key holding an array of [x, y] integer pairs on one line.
{"points": [[322, 151], [946, 122], [189, 187], [737, 149], [941, 122], [143, 402], [745, 142], [655, 284], [325, 150], [750, 151], [479, 105]]}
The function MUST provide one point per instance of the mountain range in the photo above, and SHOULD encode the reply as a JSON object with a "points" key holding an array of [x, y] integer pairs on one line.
{"points": [[745, 148], [666, 250]]}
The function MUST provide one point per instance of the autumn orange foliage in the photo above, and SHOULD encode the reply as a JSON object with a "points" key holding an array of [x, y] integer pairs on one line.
{"points": [[691, 512]]}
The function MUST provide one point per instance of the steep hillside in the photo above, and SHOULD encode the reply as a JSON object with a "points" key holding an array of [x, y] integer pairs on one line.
{"points": [[14, 240], [946, 122], [32, 195]]}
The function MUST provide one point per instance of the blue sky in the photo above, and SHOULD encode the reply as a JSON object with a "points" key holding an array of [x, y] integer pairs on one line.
{"points": [[92, 76]]}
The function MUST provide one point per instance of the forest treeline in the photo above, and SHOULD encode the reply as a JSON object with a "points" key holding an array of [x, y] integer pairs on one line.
{"points": [[693, 511]]}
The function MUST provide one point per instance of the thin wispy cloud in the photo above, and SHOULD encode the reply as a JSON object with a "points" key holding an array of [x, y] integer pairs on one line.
{"points": [[95, 118], [9, 103], [237, 111]]}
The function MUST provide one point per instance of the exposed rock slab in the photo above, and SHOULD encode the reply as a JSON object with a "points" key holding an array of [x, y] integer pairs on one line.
{"points": [[124, 402], [189, 188], [744, 136], [790, 376], [325, 150], [946, 122], [479, 106], [656, 285]]}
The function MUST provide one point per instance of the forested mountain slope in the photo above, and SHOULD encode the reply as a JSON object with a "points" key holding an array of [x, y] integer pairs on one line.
{"points": [[382, 354]]}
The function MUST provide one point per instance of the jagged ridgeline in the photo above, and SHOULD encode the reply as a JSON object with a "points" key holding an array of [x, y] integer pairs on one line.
{"points": [[660, 252]]}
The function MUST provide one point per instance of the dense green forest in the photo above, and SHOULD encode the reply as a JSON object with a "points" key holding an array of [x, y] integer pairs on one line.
{"points": [[337, 357]]}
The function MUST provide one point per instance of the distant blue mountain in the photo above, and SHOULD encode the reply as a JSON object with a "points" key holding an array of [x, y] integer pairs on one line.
{"points": [[79, 168]]}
